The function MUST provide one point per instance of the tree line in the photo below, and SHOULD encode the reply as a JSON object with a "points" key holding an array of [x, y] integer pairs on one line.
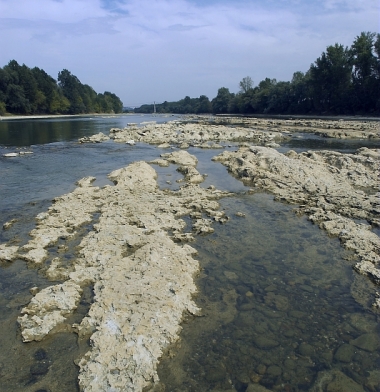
{"points": [[32, 91], [341, 81]]}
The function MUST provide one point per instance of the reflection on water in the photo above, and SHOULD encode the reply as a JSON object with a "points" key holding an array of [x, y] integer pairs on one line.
{"points": [[22, 133], [276, 298]]}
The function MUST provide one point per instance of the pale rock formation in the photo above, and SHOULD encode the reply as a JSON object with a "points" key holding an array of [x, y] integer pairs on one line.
{"points": [[48, 309], [142, 279], [202, 134], [11, 155], [187, 166], [8, 253], [343, 129], [181, 158], [332, 188], [98, 138]]}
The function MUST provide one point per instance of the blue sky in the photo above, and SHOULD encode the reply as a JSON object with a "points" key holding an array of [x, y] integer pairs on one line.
{"points": [[156, 50]]}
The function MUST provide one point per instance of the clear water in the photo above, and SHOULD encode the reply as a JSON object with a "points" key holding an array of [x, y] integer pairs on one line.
{"points": [[303, 141], [278, 297], [277, 303]]}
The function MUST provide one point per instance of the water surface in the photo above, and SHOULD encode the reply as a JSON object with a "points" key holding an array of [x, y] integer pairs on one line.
{"points": [[280, 302]]}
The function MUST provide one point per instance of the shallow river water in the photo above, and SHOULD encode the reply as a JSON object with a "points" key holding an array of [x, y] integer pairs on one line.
{"points": [[280, 302]]}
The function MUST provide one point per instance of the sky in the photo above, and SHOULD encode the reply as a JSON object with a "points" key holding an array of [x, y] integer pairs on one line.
{"points": [[149, 51]]}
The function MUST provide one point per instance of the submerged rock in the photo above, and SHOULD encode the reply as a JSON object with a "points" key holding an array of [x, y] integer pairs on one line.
{"points": [[368, 342], [335, 381]]}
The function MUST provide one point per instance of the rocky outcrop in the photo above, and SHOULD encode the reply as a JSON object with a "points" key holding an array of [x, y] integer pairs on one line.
{"points": [[187, 164], [98, 138], [335, 190], [48, 309], [339, 128], [142, 276], [200, 134], [211, 132], [8, 253]]}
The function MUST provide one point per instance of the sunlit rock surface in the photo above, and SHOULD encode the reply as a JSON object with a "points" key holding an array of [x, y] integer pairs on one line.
{"points": [[142, 277], [335, 190]]}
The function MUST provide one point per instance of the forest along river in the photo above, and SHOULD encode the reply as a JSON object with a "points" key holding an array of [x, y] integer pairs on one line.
{"points": [[276, 293]]}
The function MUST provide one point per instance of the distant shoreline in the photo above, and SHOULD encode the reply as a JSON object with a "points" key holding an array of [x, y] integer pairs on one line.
{"points": [[253, 115]]}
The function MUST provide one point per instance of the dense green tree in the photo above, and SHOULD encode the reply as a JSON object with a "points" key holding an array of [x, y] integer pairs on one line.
{"points": [[204, 105], [28, 91], [221, 103], [16, 102], [365, 72], [246, 84], [3, 108], [341, 81], [330, 79]]}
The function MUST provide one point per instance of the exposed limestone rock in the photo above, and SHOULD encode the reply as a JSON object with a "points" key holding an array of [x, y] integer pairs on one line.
{"points": [[187, 162], [343, 129], [138, 308], [181, 158], [8, 253], [63, 219], [203, 226], [191, 174], [48, 309], [160, 162], [164, 145], [332, 189], [11, 155], [98, 138], [142, 278], [202, 134]]}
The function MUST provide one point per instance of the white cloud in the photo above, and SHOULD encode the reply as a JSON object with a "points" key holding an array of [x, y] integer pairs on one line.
{"points": [[163, 50]]}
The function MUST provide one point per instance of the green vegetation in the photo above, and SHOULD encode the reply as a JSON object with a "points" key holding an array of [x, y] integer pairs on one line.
{"points": [[33, 91], [341, 81]]}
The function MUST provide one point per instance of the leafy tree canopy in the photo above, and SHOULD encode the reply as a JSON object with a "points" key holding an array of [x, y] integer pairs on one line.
{"points": [[32, 91], [341, 81]]}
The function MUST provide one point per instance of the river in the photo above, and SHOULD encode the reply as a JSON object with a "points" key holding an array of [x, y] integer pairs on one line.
{"points": [[276, 291]]}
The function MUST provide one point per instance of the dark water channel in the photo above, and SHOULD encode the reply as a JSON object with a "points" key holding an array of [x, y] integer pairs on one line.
{"points": [[276, 293]]}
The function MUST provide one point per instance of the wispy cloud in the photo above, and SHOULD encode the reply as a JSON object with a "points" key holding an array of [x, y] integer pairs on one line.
{"points": [[146, 50]]}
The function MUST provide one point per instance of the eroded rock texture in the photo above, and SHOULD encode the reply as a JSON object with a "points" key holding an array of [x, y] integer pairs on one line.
{"points": [[339, 192], [142, 277]]}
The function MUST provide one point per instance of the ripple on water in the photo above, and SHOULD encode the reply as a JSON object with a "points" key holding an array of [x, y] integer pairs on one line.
{"points": [[277, 305]]}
